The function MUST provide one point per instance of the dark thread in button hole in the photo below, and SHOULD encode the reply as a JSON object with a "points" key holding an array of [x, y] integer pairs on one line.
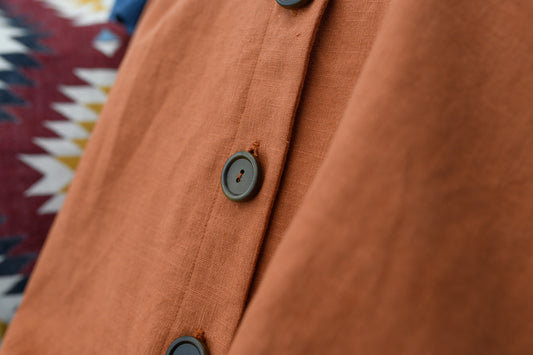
{"points": [[240, 176]]}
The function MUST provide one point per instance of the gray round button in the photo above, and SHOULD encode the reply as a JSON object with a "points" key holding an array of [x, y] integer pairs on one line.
{"points": [[186, 346], [292, 4], [241, 178]]}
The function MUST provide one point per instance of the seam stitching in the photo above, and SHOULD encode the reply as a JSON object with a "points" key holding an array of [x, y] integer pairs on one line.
{"points": [[215, 197]]}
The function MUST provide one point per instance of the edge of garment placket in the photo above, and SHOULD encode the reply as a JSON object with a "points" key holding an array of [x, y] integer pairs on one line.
{"points": [[266, 120]]}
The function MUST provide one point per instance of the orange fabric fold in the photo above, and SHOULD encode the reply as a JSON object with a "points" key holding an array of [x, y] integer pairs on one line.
{"points": [[415, 236], [394, 215]]}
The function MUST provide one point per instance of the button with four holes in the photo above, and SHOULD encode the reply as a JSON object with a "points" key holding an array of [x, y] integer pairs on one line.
{"points": [[241, 178], [186, 346]]}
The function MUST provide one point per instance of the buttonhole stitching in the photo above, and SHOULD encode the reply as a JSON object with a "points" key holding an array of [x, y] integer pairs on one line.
{"points": [[254, 149], [200, 335]]}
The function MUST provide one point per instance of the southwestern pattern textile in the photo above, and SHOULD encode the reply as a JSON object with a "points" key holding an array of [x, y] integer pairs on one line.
{"points": [[58, 61]]}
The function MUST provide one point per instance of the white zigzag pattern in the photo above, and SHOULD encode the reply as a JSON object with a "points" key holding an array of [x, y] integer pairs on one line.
{"points": [[9, 45], [9, 303], [82, 12], [56, 174]]}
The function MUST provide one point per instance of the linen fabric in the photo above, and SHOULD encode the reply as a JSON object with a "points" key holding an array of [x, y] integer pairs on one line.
{"points": [[394, 216]]}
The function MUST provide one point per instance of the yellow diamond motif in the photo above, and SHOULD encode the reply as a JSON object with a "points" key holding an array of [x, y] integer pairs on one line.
{"points": [[81, 142], [87, 125], [95, 107], [71, 162], [96, 4]]}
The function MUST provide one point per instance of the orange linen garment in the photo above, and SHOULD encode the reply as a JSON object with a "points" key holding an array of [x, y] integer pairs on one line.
{"points": [[396, 210]]}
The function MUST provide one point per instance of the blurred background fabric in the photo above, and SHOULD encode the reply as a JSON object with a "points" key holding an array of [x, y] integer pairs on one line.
{"points": [[127, 12], [58, 62]]}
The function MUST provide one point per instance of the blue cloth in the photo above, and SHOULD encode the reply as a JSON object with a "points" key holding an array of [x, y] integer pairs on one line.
{"points": [[127, 12]]}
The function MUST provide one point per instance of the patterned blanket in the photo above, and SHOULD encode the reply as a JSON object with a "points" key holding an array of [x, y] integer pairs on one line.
{"points": [[58, 61]]}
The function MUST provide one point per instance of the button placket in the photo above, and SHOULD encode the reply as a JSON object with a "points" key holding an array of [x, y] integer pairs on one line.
{"points": [[269, 105]]}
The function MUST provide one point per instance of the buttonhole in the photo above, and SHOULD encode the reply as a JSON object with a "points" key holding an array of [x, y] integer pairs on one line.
{"points": [[254, 149], [240, 176], [200, 335]]}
